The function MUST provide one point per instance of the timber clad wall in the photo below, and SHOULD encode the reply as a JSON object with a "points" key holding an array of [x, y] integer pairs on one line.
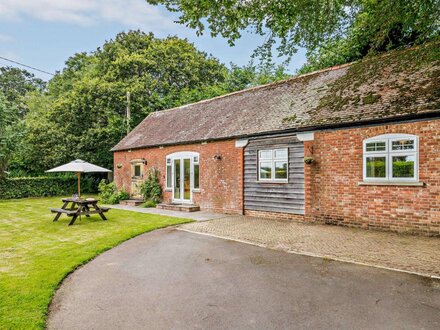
{"points": [[274, 197]]}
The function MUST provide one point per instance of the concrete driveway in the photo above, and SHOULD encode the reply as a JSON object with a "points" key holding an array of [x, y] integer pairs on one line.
{"points": [[171, 279]]}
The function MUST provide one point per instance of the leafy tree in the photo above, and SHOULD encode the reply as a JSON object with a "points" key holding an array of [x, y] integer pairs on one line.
{"points": [[10, 132], [82, 114], [332, 31], [253, 75], [382, 26], [238, 78], [16, 84]]}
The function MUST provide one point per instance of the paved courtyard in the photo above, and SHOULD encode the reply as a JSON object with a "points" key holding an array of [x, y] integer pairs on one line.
{"points": [[413, 254], [196, 216]]}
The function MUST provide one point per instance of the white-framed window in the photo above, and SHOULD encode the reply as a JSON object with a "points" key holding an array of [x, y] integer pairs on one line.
{"points": [[391, 158], [273, 165], [196, 173]]}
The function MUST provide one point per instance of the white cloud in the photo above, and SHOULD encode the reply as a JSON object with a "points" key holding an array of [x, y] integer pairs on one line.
{"points": [[5, 38], [130, 13]]}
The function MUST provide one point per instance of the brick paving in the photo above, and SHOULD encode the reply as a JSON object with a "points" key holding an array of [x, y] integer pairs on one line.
{"points": [[415, 254]]}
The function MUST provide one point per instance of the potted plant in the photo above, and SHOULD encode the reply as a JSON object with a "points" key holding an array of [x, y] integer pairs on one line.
{"points": [[309, 160]]}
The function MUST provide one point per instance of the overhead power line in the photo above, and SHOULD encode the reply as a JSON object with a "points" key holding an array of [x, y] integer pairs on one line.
{"points": [[26, 66]]}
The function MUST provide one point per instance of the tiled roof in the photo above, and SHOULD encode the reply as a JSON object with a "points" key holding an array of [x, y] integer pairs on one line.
{"points": [[398, 84]]}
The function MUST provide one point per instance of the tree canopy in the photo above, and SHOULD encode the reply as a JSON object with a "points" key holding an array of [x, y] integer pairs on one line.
{"points": [[9, 132], [81, 113], [332, 31], [15, 84], [15, 87]]}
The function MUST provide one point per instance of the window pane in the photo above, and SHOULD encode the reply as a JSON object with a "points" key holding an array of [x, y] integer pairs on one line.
{"points": [[403, 144], [196, 176], [281, 153], [169, 176], [265, 170], [280, 170], [376, 146], [177, 178], [137, 170], [168, 160], [196, 159], [187, 178], [265, 154], [403, 166], [376, 167]]}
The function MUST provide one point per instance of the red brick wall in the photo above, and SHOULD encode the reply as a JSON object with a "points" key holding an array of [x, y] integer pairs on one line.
{"points": [[332, 192], [274, 215], [221, 181], [334, 196]]}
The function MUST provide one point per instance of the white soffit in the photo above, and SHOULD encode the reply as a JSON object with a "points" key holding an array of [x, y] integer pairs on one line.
{"points": [[241, 143], [306, 136]]}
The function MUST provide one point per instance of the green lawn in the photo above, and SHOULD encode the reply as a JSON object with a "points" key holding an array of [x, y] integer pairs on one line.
{"points": [[36, 253]]}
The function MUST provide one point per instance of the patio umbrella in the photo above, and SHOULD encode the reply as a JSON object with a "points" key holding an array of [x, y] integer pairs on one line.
{"points": [[79, 166]]}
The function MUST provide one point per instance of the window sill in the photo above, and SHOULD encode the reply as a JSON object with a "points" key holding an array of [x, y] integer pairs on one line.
{"points": [[196, 190], [271, 182], [409, 184]]}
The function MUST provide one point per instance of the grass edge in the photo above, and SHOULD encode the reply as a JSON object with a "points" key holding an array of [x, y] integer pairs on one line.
{"points": [[83, 263]]}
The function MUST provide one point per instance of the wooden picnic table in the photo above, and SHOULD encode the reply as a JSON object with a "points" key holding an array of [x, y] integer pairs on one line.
{"points": [[79, 207]]}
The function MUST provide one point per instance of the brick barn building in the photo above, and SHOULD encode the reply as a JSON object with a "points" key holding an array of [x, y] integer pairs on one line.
{"points": [[355, 145]]}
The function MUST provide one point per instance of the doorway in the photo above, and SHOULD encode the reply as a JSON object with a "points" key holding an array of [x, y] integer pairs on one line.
{"points": [[182, 180], [183, 176]]}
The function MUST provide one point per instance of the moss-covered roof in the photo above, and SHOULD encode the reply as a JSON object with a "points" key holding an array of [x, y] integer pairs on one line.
{"points": [[400, 83]]}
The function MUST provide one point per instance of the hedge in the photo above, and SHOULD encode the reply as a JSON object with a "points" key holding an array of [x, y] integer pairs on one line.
{"points": [[401, 169], [44, 186]]}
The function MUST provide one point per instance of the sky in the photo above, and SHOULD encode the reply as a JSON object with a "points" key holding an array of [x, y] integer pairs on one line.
{"points": [[45, 33]]}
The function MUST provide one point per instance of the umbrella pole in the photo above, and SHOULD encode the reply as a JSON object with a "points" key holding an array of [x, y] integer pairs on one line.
{"points": [[79, 183]]}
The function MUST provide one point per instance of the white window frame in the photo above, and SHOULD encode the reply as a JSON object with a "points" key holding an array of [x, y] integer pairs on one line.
{"points": [[194, 159], [272, 160], [168, 165], [388, 153]]}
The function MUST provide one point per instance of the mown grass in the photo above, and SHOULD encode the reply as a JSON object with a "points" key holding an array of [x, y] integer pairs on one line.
{"points": [[36, 253]]}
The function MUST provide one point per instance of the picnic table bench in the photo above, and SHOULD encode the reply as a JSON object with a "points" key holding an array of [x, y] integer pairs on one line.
{"points": [[79, 207]]}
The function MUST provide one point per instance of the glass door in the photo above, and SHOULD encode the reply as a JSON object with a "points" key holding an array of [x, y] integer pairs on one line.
{"points": [[182, 180], [186, 185]]}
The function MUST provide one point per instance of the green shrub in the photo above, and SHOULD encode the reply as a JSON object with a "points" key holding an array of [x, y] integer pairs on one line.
{"points": [[149, 203], [151, 188], [109, 193], [44, 186], [376, 169], [401, 169]]}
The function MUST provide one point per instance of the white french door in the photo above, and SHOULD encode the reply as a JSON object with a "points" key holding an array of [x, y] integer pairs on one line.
{"points": [[182, 192]]}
